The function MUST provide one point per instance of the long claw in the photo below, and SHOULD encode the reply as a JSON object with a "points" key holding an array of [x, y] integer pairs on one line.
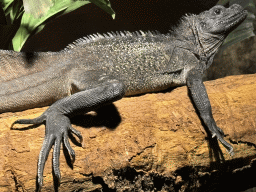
{"points": [[56, 158], [226, 145], [220, 130], [77, 133], [38, 120], [217, 132], [47, 145], [70, 150]]}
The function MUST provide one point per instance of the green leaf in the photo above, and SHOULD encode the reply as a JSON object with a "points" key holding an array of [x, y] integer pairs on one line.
{"points": [[37, 8], [40, 28], [73, 5], [6, 3], [7, 6], [16, 10], [30, 24], [13, 8], [105, 5]]}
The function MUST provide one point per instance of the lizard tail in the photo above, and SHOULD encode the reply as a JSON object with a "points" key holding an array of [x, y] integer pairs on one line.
{"points": [[37, 120]]}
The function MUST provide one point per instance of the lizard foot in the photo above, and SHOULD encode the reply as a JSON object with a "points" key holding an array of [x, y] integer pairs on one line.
{"points": [[56, 132], [217, 132]]}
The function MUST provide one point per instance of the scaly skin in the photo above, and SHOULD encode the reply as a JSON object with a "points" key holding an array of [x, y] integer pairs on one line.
{"points": [[100, 69]]}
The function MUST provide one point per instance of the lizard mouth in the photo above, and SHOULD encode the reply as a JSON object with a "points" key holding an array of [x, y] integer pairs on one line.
{"points": [[233, 21], [237, 19]]}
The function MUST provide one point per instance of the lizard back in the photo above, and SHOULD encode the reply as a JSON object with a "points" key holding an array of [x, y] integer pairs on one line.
{"points": [[145, 62]]}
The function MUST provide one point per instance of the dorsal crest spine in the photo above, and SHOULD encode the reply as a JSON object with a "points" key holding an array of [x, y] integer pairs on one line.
{"points": [[111, 35]]}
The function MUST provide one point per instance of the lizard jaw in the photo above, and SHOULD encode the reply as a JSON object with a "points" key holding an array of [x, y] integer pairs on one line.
{"points": [[233, 21]]}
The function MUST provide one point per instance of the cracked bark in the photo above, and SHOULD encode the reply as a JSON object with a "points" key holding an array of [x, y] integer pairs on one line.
{"points": [[147, 147], [151, 142]]}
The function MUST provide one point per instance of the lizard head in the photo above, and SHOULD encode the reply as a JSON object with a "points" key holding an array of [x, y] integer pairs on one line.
{"points": [[221, 20], [211, 27]]}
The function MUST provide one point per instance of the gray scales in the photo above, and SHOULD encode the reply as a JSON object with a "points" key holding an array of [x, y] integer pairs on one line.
{"points": [[99, 69]]}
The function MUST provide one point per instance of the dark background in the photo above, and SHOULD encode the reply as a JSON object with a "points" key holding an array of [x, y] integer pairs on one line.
{"points": [[131, 15]]}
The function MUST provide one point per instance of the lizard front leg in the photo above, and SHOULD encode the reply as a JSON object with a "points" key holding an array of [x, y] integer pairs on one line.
{"points": [[58, 124], [202, 103]]}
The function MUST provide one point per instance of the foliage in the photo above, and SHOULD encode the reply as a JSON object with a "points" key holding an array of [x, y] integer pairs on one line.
{"points": [[35, 20]]}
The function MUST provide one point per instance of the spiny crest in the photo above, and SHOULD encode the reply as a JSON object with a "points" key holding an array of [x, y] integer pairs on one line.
{"points": [[184, 23], [110, 35]]}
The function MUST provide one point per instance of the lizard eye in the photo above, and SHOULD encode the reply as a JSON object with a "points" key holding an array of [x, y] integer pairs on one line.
{"points": [[217, 11]]}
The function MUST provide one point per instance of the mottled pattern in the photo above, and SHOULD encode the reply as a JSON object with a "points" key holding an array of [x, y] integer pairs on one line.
{"points": [[143, 61]]}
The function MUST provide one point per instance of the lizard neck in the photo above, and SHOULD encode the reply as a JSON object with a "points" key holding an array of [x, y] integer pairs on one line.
{"points": [[203, 45], [206, 43], [185, 36]]}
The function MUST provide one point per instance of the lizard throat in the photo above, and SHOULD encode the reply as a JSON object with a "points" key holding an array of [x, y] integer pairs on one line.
{"points": [[207, 44], [210, 43]]}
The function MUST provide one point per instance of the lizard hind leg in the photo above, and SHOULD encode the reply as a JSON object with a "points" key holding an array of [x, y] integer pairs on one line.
{"points": [[58, 123], [57, 119]]}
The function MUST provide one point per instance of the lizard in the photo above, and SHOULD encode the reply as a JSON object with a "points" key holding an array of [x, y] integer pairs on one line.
{"points": [[102, 68]]}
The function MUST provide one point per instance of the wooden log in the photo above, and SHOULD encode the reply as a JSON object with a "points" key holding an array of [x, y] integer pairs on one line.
{"points": [[153, 142]]}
